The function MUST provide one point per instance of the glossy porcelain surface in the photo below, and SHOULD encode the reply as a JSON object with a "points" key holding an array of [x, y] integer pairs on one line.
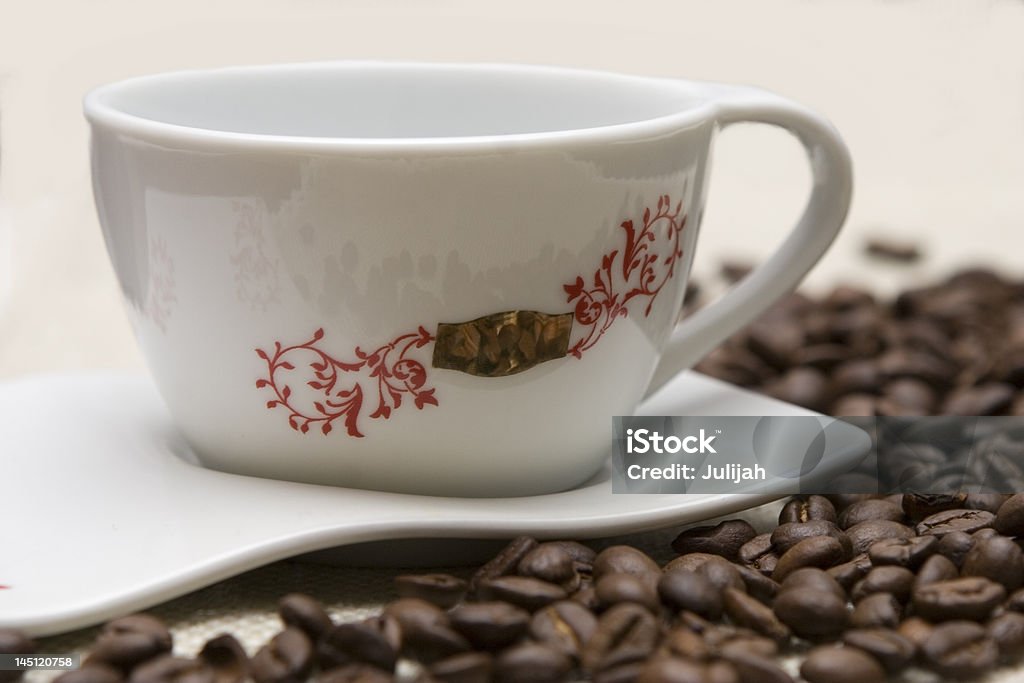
{"points": [[289, 238], [114, 514]]}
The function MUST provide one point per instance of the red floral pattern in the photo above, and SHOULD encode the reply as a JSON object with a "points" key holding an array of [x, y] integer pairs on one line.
{"points": [[644, 271], [390, 368], [641, 269]]}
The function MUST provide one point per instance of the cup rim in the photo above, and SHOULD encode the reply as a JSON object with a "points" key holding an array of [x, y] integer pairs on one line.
{"points": [[100, 112]]}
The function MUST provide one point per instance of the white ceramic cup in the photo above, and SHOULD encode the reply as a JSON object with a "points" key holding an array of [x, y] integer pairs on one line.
{"points": [[299, 243]]}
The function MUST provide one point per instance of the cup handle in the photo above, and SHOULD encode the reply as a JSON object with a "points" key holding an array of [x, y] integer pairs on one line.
{"points": [[807, 242]]}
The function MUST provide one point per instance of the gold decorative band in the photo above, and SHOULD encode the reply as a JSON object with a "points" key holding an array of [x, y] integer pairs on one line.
{"points": [[502, 344]]}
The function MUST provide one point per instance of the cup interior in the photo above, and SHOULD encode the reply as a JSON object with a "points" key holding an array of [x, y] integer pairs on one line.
{"points": [[368, 100]]}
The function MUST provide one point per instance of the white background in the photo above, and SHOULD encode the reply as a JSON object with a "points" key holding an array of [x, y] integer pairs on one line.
{"points": [[928, 93]]}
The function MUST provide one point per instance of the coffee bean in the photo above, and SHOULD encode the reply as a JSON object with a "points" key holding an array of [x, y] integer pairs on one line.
{"points": [[626, 632], [893, 651], [966, 598], [960, 649], [788, 535], [676, 670], [746, 611], [582, 556], [892, 250], [803, 386], [819, 551], [226, 658], [356, 673], [128, 641], [942, 523], [855, 405], [757, 584], [1007, 631], [626, 672], [168, 669], [896, 581], [94, 673], [904, 552], [992, 398], [955, 546], [990, 502], [721, 574], [742, 643], [812, 578], [304, 613], [690, 562], [869, 510], [443, 590], [523, 591], [811, 613], [998, 559], [586, 597], [504, 563], [531, 663], [468, 667], [835, 664], [287, 658], [375, 641], [807, 509], [849, 573], [549, 562], [565, 626], [612, 589], [865, 534], [686, 590], [758, 554], [754, 668], [935, 569], [1010, 518], [682, 642], [724, 539], [627, 560], [918, 506], [489, 625], [916, 630], [880, 610]]}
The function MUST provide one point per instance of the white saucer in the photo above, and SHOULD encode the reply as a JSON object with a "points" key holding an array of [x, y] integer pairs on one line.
{"points": [[104, 511]]}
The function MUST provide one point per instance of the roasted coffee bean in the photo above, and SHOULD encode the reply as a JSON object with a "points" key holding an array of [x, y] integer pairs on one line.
{"points": [[724, 539], [168, 669], [955, 546], [880, 610], [626, 632], [721, 574], [304, 613], [896, 581], [523, 591], [227, 658], [565, 626], [746, 611], [443, 590], [865, 534], [754, 668], [997, 558], [287, 658], [685, 590], [991, 502], [531, 663], [757, 584], [835, 664], [960, 649], [819, 551], [504, 563], [904, 552], [870, 510], [916, 630], [1010, 518], [812, 578], [755, 548], [612, 589], [935, 569], [490, 625], [549, 562], [803, 386], [682, 642], [94, 673], [468, 667], [126, 642], [893, 651], [14, 642], [676, 670], [375, 641], [586, 597], [788, 535], [690, 562], [849, 573], [754, 644], [991, 398], [892, 250], [626, 672], [627, 560], [918, 506], [358, 673], [582, 556], [942, 523], [1007, 631], [855, 405], [966, 598], [1016, 601], [811, 613], [426, 632], [807, 509]]}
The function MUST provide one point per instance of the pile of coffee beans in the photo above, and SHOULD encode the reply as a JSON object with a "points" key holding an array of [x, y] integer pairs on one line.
{"points": [[952, 348], [860, 588]]}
